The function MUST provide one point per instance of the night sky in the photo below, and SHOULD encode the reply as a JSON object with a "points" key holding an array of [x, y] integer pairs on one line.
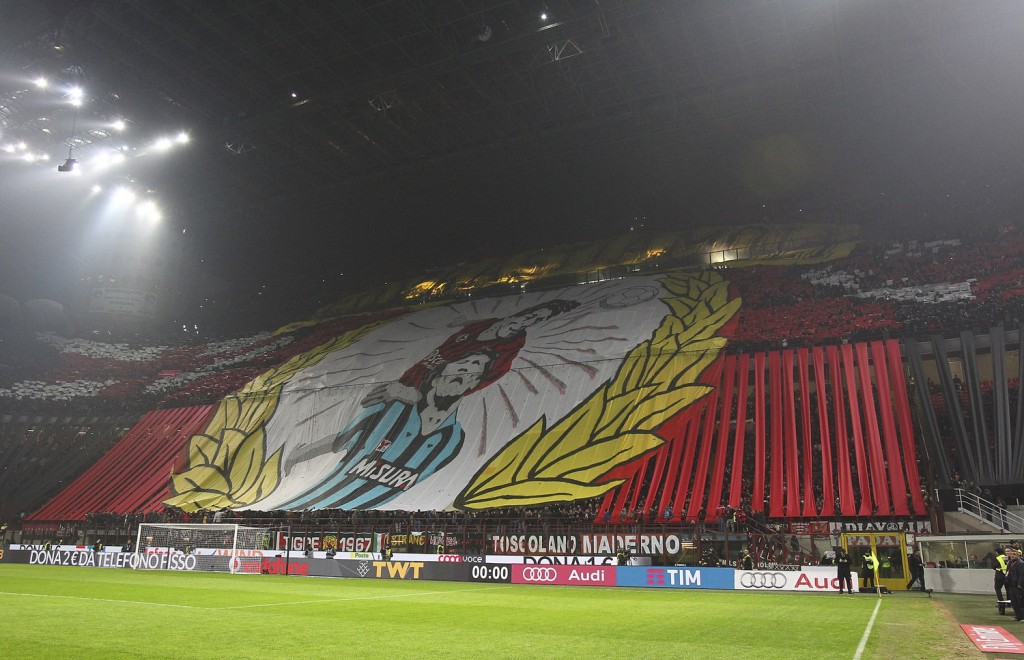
{"points": [[900, 116]]}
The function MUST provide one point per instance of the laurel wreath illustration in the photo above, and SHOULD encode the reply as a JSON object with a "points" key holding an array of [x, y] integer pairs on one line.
{"points": [[227, 463], [615, 424]]}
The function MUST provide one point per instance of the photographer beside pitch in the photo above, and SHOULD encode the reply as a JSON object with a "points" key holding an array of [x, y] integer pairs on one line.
{"points": [[1015, 582], [843, 571]]}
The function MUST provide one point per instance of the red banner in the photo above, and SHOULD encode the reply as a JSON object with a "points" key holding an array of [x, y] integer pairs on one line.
{"points": [[595, 576], [993, 639]]}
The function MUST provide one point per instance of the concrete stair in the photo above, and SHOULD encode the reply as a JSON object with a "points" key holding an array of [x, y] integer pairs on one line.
{"points": [[957, 523]]}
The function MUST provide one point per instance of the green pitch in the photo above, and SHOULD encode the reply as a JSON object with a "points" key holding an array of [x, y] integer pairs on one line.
{"points": [[62, 612]]}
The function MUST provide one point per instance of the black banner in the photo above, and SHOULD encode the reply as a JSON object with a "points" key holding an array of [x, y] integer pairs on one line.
{"points": [[171, 561], [411, 570], [350, 568]]}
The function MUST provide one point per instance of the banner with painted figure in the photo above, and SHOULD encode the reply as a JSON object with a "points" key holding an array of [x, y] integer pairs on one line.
{"points": [[487, 403]]}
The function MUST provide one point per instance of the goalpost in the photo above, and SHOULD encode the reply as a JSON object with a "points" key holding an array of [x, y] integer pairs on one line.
{"points": [[215, 548]]}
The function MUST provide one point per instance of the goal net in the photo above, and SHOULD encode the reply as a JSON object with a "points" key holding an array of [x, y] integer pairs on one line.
{"points": [[215, 548]]}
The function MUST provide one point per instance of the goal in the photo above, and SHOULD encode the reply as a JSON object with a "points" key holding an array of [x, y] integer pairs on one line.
{"points": [[215, 548]]}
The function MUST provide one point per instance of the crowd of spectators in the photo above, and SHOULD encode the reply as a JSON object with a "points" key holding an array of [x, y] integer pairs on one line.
{"points": [[86, 374], [901, 289], [904, 288], [897, 289], [36, 462]]}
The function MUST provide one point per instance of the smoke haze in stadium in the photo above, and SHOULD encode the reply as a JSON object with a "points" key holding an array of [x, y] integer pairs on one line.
{"points": [[381, 139]]}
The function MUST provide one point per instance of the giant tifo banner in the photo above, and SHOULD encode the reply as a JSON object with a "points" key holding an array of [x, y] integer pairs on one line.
{"points": [[520, 400]]}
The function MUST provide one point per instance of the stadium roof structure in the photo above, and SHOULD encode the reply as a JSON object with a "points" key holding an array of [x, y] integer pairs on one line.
{"points": [[425, 122]]}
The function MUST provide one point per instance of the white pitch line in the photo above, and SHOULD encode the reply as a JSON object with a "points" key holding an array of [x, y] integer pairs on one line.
{"points": [[867, 632], [103, 600]]}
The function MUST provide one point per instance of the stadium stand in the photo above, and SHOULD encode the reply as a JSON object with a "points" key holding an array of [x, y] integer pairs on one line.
{"points": [[809, 414]]}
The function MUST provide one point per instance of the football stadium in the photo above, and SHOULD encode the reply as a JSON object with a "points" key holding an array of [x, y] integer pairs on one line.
{"points": [[534, 328]]}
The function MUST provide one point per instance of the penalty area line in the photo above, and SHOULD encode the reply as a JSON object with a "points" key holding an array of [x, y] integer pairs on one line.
{"points": [[104, 600], [347, 600], [867, 632]]}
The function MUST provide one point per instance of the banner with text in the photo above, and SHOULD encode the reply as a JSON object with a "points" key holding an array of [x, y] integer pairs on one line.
{"points": [[675, 577], [583, 576], [811, 579]]}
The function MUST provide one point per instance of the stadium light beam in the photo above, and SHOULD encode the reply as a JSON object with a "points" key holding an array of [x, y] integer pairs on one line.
{"points": [[123, 195]]}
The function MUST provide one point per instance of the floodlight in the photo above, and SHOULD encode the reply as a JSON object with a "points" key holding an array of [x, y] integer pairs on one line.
{"points": [[124, 196], [68, 165], [182, 138], [148, 210], [41, 82], [163, 144], [119, 125]]}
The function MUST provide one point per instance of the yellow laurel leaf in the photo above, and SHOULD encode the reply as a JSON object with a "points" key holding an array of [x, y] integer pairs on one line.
{"points": [[617, 408], [615, 425], [649, 410], [219, 419], [246, 462], [667, 331], [202, 479], [679, 287], [257, 407], [702, 360], [669, 362], [212, 501], [708, 324], [202, 449], [717, 295], [537, 492], [234, 438], [554, 445], [679, 307], [185, 502], [507, 462], [229, 441], [192, 502], [588, 462], [633, 369], [655, 411], [263, 484]]}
